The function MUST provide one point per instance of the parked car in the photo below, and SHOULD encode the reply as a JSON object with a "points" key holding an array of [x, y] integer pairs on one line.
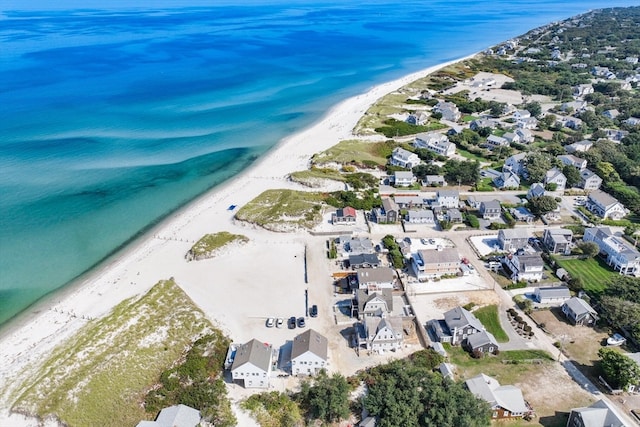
{"points": [[313, 312], [271, 322], [292, 322], [616, 339], [279, 322], [301, 322]]}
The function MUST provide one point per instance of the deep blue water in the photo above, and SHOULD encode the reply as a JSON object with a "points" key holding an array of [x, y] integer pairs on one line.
{"points": [[111, 117]]}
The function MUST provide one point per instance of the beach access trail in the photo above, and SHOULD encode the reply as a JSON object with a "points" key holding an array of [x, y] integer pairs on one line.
{"points": [[216, 285]]}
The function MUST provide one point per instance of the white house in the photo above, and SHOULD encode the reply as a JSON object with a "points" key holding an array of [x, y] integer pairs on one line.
{"points": [[252, 364], [525, 136], [449, 111], [448, 198], [418, 118], [429, 264], [521, 114], [527, 123], [516, 163], [436, 142], [571, 160], [420, 216], [496, 141], [524, 267], [507, 179], [512, 239], [490, 209], [555, 176], [506, 401], [579, 147], [621, 255], [605, 206], [600, 414], [375, 279], [553, 295], [403, 158], [381, 334], [309, 353], [558, 240], [403, 178], [589, 181]]}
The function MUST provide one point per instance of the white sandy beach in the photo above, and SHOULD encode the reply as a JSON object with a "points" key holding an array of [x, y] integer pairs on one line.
{"points": [[236, 290]]}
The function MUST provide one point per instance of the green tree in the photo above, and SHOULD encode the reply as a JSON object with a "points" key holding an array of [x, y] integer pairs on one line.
{"points": [[619, 370], [537, 164], [572, 174], [326, 398], [542, 205], [465, 172], [589, 249], [534, 108]]}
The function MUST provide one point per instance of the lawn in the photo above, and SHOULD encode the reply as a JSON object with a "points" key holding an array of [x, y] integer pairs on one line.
{"points": [[488, 316], [283, 210], [469, 155], [593, 272], [100, 376]]}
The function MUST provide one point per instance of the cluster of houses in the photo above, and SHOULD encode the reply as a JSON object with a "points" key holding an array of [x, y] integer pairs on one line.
{"points": [[461, 327], [253, 364]]}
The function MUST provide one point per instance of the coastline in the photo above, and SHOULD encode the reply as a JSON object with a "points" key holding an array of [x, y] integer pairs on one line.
{"points": [[135, 268]]}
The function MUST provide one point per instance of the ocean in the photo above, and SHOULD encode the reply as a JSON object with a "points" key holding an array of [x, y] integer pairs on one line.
{"points": [[112, 116]]}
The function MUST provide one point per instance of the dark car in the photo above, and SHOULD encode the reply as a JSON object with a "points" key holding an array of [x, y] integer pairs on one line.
{"points": [[301, 323], [292, 322], [313, 312]]}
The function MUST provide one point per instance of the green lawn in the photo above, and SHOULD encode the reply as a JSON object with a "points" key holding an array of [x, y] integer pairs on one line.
{"points": [[469, 155], [488, 316], [594, 273]]}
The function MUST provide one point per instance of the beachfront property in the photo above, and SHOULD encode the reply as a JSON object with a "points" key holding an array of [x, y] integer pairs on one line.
{"points": [[449, 111], [552, 295], [364, 261], [253, 364], [436, 142], [354, 245], [448, 198], [403, 158], [403, 179], [589, 181], [375, 279], [433, 263], [372, 303], [411, 201], [380, 334], [523, 267], [512, 239], [388, 213], [571, 160], [506, 401], [558, 240], [421, 216], [490, 209], [309, 353], [344, 216], [458, 324], [175, 416], [600, 414], [418, 118], [579, 312], [605, 206], [555, 176], [620, 255], [481, 344], [507, 179]]}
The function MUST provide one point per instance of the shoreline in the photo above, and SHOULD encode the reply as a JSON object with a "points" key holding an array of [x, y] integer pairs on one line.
{"points": [[135, 268]]}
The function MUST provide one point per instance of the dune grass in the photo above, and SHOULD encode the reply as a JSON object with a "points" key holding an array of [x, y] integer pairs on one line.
{"points": [[488, 316], [211, 242], [354, 151], [100, 376]]}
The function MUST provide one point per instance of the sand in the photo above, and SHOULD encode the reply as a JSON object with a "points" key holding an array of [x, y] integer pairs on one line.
{"points": [[237, 290]]}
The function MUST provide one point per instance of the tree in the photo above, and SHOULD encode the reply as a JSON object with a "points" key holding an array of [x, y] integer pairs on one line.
{"points": [[589, 249], [327, 398], [542, 205], [423, 170], [534, 108], [537, 164], [572, 174], [464, 172], [620, 370]]}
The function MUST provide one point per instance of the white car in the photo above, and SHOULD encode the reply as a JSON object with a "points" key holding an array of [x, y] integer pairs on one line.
{"points": [[270, 322], [616, 339], [279, 322]]}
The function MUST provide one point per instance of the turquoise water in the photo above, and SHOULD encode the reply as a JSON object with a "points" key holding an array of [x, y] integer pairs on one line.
{"points": [[112, 117]]}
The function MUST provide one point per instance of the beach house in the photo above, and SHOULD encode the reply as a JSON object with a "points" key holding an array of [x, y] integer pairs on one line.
{"points": [[309, 353], [433, 263], [512, 239], [589, 181], [403, 179], [404, 158], [558, 240], [506, 401], [346, 216], [375, 279], [571, 160], [507, 179], [551, 295], [579, 312], [175, 416], [372, 303], [555, 176], [380, 334], [448, 198], [436, 142], [524, 267], [490, 209], [600, 414], [621, 255], [458, 324], [253, 364], [449, 111], [605, 206]]}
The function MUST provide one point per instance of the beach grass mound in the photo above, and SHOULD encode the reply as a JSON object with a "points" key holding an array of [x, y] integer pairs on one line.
{"points": [[366, 153], [101, 375], [284, 210], [315, 176], [210, 244], [489, 318]]}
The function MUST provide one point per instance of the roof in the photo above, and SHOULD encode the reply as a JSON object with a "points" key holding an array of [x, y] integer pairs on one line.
{"points": [[403, 174], [364, 297], [346, 211], [459, 317], [363, 259], [490, 205], [376, 275], [587, 173], [389, 205], [420, 213], [514, 233], [178, 416], [530, 261], [553, 292], [447, 370], [480, 339], [600, 414], [310, 341], [254, 352], [508, 397], [448, 193], [374, 323], [454, 214], [579, 306], [559, 233], [433, 256], [602, 198], [554, 173], [439, 348]]}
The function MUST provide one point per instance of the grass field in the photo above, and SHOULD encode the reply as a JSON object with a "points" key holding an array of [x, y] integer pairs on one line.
{"points": [[352, 151], [594, 273], [283, 210], [313, 177], [100, 376], [488, 316]]}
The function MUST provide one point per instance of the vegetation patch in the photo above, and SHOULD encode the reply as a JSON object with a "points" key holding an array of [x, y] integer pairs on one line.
{"points": [[274, 409], [489, 318], [366, 153], [394, 128], [594, 274], [209, 244], [283, 210], [101, 375], [315, 176]]}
